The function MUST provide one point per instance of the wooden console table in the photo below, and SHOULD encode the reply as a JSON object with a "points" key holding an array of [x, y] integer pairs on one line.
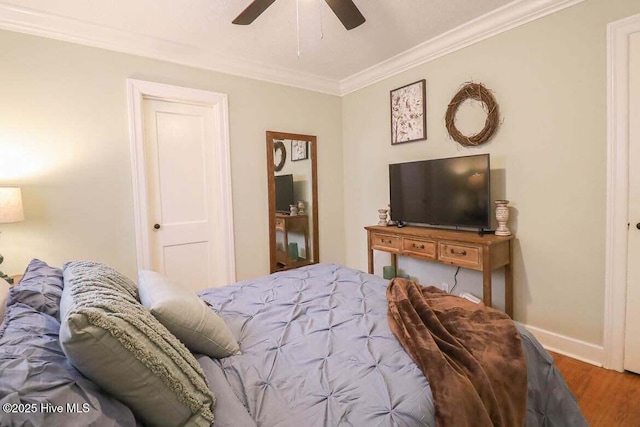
{"points": [[292, 223], [464, 249]]}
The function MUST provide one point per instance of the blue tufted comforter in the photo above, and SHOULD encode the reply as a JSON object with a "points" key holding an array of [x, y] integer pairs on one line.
{"points": [[318, 351]]}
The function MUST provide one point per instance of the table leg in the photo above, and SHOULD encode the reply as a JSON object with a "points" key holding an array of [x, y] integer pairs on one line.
{"points": [[508, 283], [306, 242], [286, 245], [370, 253], [486, 276]]}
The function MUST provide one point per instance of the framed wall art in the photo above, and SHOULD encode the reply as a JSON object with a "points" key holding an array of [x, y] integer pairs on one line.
{"points": [[299, 150], [409, 113]]}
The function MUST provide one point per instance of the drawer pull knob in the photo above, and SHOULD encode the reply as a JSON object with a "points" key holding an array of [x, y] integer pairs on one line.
{"points": [[386, 241], [418, 246], [454, 252]]}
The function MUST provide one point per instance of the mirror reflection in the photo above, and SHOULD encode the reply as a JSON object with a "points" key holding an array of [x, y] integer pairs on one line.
{"points": [[293, 217]]}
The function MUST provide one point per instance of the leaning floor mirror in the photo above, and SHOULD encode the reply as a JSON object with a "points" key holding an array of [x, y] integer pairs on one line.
{"points": [[293, 200]]}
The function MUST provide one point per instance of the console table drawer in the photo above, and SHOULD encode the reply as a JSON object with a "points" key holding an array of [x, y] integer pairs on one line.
{"points": [[421, 248], [384, 242], [466, 256]]}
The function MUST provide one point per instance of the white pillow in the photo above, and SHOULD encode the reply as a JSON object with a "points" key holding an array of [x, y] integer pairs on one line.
{"points": [[4, 293], [186, 316]]}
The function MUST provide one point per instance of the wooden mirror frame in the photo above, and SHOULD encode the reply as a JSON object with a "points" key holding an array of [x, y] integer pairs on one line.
{"points": [[271, 189]]}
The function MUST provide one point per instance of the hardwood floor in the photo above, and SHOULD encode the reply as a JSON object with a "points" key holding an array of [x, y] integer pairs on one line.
{"points": [[606, 398]]}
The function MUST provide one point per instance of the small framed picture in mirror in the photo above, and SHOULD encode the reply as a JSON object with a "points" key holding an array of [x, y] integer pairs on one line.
{"points": [[299, 150]]}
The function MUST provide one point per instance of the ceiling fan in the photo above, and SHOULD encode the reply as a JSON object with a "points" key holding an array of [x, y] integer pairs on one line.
{"points": [[345, 10]]}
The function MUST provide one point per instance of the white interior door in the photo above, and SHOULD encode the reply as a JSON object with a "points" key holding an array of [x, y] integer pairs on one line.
{"points": [[632, 330], [179, 156]]}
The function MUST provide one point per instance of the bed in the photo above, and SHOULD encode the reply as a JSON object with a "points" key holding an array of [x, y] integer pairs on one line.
{"points": [[316, 351]]}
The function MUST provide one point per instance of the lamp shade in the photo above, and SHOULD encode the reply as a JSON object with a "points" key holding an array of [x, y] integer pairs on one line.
{"points": [[10, 205]]}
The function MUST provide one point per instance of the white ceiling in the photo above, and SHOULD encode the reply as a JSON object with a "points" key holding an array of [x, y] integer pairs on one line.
{"points": [[200, 33]]}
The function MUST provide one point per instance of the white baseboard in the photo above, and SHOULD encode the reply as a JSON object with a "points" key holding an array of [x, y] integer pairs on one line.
{"points": [[567, 346]]}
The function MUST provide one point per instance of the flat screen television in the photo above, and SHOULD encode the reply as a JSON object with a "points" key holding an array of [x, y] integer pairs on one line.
{"points": [[284, 192], [453, 192]]}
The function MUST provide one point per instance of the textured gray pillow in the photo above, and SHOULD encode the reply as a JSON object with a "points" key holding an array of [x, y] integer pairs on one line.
{"points": [[114, 341], [186, 316]]}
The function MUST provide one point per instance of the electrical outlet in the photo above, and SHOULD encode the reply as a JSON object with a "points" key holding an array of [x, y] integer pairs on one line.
{"points": [[445, 286]]}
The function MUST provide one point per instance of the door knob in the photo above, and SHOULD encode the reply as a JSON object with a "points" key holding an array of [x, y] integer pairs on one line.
{"points": [[638, 226], [156, 226]]}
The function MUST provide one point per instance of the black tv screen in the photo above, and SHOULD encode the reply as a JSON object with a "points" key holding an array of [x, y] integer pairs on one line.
{"points": [[453, 192], [284, 193]]}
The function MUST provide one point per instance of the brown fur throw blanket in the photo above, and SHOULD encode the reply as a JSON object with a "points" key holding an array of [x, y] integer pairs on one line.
{"points": [[471, 355]]}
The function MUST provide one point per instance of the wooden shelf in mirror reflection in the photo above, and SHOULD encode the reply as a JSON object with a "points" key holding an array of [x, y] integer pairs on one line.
{"points": [[291, 224]]}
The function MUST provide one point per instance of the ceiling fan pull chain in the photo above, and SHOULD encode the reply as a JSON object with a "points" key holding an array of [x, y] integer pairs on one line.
{"points": [[321, 29], [298, 25]]}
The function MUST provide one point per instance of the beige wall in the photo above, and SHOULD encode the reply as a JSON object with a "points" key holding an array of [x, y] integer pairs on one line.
{"points": [[549, 78], [64, 139]]}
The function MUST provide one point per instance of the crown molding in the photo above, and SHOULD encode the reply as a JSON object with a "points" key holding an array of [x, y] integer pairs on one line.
{"points": [[44, 24], [512, 15], [498, 21]]}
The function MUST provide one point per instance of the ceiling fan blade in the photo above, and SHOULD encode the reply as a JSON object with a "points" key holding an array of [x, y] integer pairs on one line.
{"points": [[347, 13], [252, 11]]}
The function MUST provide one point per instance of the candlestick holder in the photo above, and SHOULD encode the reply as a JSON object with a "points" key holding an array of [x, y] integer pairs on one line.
{"points": [[502, 216], [382, 216]]}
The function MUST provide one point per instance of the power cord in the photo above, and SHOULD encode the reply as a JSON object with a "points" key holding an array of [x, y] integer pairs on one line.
{"points": [[455, 280]]}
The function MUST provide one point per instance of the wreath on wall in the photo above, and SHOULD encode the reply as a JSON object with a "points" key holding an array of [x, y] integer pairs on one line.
{"points": [[278, 164], [478, 92]]}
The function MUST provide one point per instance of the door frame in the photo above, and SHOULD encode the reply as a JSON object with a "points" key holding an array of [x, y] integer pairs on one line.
{"points": [[137, 92], [615, 296]]}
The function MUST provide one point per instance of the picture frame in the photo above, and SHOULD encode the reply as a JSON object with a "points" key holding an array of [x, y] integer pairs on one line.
{"points": [[299, 150], [409, 113]]}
